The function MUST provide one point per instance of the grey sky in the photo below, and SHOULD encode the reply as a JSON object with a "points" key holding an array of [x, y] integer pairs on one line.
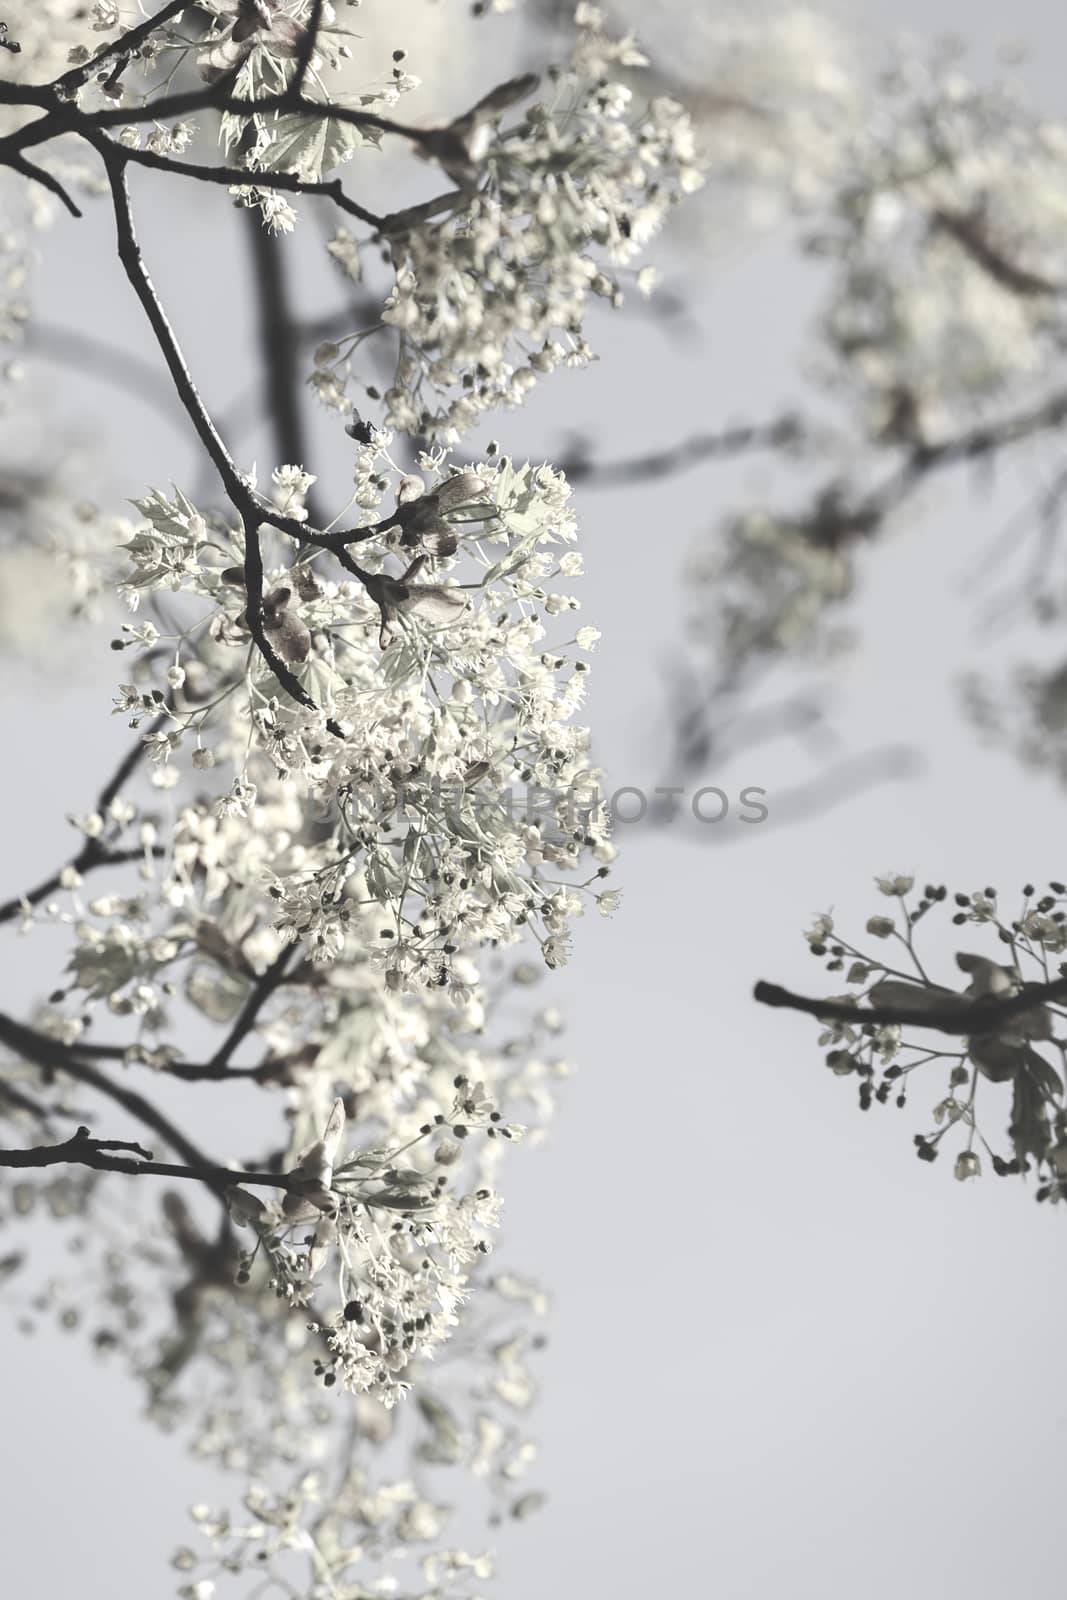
{"points": [[788, 1360]]}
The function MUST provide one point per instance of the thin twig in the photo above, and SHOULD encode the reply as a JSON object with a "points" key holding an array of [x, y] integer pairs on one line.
{"points": [[961, 1016], [271, 980], [253, 178], [187, 1071], [245, 501], [124, 45], [46, 179], [690, 453], [54, 1056], [93, 853], [307, 49], [82, 1150]]}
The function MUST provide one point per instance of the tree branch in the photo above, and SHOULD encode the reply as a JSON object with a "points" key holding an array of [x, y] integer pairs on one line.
{"points": [[307, 48], [279, 345], [137, 273], [692, 452], [93, 853], [209, 99], [54, 1056], [961, 1015], [272, 979], [25, 94], [251, 508], [124, 45], [253, 575], [253, 178], [47, 180], [968, 233], [187, 1071], [84, 1151], [63, 117]]}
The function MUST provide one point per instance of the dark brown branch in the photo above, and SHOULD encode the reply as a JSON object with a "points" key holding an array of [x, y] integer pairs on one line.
{"points": [[251, 508], [126, 44], [843, 781], [82, 1150], [46, 179], [693, 452], [307, 49], [25, 94], [92, 855], [968, 233], [94, 852], [254, 178], [63, 117], [54, 1056], [209, 99], [137, 273], [126, 768], [23, 1102], [238, 489], [396, 222], [443, 143], [35, 133], [209, 1072], [253, 574], [244, 1022], [975, 444], [961, 1016], [279, 345], [187, 1071]]}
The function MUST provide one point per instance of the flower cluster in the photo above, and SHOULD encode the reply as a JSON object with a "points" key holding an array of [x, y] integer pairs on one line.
{"points": [[369, 868], [774, 577], [937, 229], [403, 1240], [359, 814], [488, 299], [959, 1035], [455, 700]]}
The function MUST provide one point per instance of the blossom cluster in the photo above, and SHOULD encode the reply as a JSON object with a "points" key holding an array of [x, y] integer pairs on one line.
{"points": [[272, 865], [487, 301], [937, 232], [1028, 946], [330, 857], [466, 681]]}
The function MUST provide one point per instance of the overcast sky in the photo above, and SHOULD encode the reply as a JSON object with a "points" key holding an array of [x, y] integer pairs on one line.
{"points": [[788, 1359]]}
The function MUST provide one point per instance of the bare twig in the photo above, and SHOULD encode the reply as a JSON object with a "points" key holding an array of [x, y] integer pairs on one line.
{"points": [[187, 1071], [129, 252], [961, 1016], [46, 179], [307, 49], [126, 44], [253, 178], [579, 467], [970, 235], [94, 852], [54, 1056], [82, 1150], [271, 980], [245, 501], [91, 855], [279, 345]]}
